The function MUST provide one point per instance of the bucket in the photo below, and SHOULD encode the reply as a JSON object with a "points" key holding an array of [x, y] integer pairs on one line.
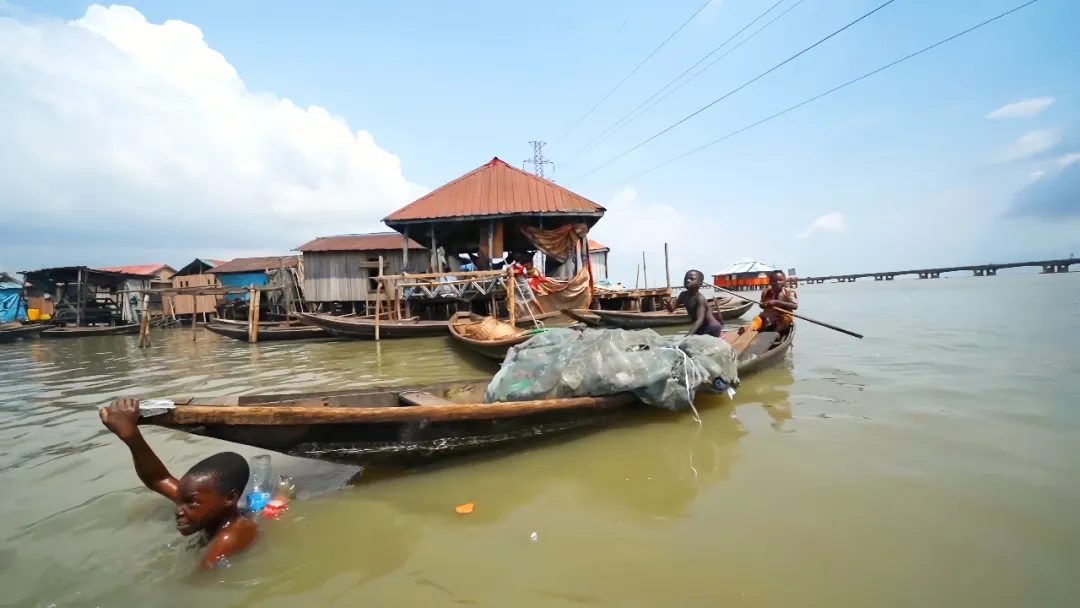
{"points": [[33, 314]]}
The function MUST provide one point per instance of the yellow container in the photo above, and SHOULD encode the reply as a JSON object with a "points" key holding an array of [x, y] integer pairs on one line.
{"points": [[46, 317], [33, 314]]}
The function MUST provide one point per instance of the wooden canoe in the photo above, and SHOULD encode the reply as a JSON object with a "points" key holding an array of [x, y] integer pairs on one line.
{"points": [[79, 332], [497, 347], [15, 331], [663, 318], [277, 331], [363, 328], [418, 424]]}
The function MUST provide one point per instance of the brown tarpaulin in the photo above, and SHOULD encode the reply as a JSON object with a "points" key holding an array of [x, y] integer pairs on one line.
{"points": [[558, 243], [574, 293]]}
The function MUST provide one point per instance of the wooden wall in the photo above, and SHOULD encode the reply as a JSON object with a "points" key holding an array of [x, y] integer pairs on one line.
{"points": [[337, 276], [185, 305]]}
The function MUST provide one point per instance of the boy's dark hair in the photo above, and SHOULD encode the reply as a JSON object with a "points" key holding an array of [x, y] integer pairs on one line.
{"points": [[229, 470], [697, 272]]}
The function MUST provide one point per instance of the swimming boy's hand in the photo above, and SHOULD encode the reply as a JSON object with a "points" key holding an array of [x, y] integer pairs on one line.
{"points": [[122, 418]]}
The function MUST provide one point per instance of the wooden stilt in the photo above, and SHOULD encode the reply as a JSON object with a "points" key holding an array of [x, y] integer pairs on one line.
{"points": [[378, 301], [144, 322], [511, 294], [667, 269], [644, 271]]}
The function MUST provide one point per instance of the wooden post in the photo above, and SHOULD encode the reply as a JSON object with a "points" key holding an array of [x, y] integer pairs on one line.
{"points": [[144, 322], [257, 296], [405, 250], [637, 275], [434, 258], [644, 271], [511, 294], [491, 246], [78, 300], [251, 313], [667, 269], [378, 302]]}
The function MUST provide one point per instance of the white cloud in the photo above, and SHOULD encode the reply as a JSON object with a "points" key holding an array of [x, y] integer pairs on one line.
{"points": [[123, 134], [1029, 144], [830, 222], [1068, 159], [1028, 108]]}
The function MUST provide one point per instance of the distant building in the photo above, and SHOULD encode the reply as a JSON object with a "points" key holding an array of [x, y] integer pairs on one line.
{"points": [[743, 276], [195, 274], [83, 296], [243, 272], [160, 272], [12, 302], [342, 268], [598, 256]]}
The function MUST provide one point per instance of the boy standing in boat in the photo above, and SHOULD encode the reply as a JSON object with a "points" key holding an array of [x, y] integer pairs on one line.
{"points": [[778, 300], [703, 321], [206, 497]]}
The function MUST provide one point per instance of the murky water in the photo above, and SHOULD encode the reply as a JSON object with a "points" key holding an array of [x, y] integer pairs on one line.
{"points": [[934, 463]]}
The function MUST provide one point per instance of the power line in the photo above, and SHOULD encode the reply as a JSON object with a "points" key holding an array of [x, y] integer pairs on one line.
{"points": [[631, 116], [737, 89], [829, 92], [633, 71]]}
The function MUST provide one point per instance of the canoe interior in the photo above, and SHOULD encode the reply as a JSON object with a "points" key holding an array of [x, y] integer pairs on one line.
{"points": [[463, 324], [364, 327], [74, 332], [662, 318], [12, 332], [270, 332]]}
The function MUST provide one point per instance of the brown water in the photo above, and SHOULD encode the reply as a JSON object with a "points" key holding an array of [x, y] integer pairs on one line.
{"points": [[934, 463]]}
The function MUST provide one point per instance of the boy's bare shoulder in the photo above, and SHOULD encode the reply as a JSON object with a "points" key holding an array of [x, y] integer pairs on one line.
{"points": [[230, 540]]}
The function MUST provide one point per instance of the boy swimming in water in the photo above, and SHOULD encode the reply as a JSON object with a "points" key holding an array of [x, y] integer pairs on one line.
{"points": [[703, 321], [206, 496]]}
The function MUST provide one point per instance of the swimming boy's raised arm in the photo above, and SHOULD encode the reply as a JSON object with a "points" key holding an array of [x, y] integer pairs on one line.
{"points": [[122, 418]]}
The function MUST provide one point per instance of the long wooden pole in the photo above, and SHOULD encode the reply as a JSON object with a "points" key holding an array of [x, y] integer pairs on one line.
{"points": [[797, 316], [637, 275], [251, 313], [255, 308], [378, 301], [78, 300], [644, 271], [144, 322], [667, 268], [294, 414], [511, 291]]}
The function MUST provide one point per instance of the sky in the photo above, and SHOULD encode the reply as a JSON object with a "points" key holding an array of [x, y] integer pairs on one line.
{"points": [[161, 131]]}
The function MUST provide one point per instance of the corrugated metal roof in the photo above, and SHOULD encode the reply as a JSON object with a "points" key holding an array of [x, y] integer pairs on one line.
{"points": [[137, 268], [256, 264], [595, 246], [741, 267], [379, 241], [495, 189]]}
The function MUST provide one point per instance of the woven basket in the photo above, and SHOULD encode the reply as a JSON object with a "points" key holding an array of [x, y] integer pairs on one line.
{"points": [[491, 329]]}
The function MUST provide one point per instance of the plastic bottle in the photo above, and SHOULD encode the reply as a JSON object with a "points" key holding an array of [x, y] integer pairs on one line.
{"points": [[259, 492], [284, 491]]}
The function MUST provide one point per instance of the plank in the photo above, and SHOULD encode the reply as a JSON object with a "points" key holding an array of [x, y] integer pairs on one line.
{"points": [[422, 398], [743, 341], [761, 344]]}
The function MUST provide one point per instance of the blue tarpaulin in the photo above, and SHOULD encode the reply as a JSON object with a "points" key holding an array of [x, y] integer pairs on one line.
{"points": [[12, 306], [242, 279]]}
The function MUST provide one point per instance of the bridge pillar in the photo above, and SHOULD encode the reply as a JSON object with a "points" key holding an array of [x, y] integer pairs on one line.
{"points": [[979, 272], [991, 272], [935, 275], [923, 275], [1049, 269], [1063, 268], [851, 279], [878, 277], [890, 277]]}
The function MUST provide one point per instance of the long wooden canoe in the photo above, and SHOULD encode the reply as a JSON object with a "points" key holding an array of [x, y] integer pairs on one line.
{"points": [[663, 318], [469, 330], [410, 425], [277, 331], [15, 331], [79, 332], [363, 328]]}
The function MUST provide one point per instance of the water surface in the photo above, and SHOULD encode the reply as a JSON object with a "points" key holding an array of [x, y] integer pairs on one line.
{"points": [[934, 463]]}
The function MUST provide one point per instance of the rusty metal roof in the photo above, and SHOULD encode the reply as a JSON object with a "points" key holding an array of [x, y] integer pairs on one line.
{"points": [[496, 189], [379, 241], [137, 268], [595, 246], [256, 264]]}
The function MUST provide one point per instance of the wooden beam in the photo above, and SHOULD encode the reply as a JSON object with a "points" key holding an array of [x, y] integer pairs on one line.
{"points": [[405, 250], [378, 300], [511, 297]]}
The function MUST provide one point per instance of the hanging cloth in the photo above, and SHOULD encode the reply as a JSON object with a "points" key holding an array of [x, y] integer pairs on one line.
{"points": [[558, 243]]}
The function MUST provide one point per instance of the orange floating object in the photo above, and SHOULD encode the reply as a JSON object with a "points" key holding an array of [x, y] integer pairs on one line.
{"points": [[465, 508]]}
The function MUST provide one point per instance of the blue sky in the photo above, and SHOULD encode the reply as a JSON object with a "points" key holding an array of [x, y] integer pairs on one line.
{"points": [[906, 167]]}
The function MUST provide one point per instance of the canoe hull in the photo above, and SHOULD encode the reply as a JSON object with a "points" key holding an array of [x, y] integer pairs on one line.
{"points": [[79, 332], [271, 333], [20, 333], [643, 320], [496, 349], [327, 426], [363, 328]]}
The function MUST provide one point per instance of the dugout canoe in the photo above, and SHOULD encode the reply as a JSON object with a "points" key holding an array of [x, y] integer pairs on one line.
{"points": [[493, 339], [279, 331], [363, 328], [16, 331], [418, 424], [661, 318], [93, 330]]}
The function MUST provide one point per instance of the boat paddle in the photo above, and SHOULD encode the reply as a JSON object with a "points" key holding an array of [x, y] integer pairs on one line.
{"points": [[797, 316]]}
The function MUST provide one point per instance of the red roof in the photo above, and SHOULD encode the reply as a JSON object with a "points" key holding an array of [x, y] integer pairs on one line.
{"points": [[495, 189], [256, 264], [137, 268], [380, 241], [594, 246]]}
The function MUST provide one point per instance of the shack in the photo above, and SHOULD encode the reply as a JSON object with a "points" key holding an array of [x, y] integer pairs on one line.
{"points": [[89, 296], [598, 258], [196, 274], [281, 271], [340, 271], [160, 278], [12, 301], [744, 276], [495, 209]]}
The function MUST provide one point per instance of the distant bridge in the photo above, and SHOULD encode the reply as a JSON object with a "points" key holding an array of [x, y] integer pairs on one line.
{"points": [[979, 270]]}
